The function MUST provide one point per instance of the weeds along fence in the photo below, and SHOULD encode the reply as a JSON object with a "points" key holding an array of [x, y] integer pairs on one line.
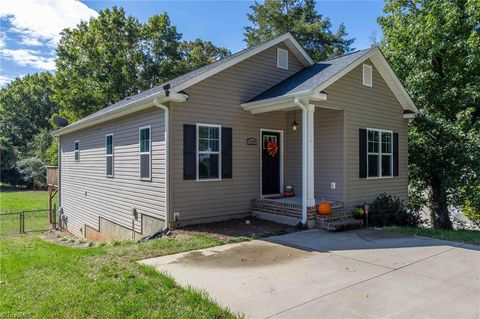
{"points": [[25, 222]]}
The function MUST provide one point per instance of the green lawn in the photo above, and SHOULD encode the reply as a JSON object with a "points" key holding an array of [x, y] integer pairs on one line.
{"points": [[15, 201], [463, 236], [44, 280], [40, 279]]}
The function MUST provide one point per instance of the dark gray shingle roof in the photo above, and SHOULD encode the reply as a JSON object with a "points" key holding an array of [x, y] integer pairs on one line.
{"points": [[310, 77]]}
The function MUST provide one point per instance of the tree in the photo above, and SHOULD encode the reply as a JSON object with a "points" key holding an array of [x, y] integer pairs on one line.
{"points": [[26, 108], [434, 47], [113, 56], [33, 171], [199, 53], [273, 18], [41, 144]]}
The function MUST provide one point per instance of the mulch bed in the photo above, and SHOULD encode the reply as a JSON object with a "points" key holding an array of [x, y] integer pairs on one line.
{"points": [[240, 227]]}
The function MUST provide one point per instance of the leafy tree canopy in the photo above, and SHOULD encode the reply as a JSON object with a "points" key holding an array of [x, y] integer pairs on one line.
{"points": [[26, 108], [113, 56], [273, 18], [434, 47]]}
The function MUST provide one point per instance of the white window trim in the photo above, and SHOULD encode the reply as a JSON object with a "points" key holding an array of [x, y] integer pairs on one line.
{"points": [[149, 178], [364, 79], [380, 153], [76, 151], [205, 152], [278, 58], [110, 155]]}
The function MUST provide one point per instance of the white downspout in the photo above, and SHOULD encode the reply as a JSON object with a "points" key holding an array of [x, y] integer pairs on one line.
{"points": [[303, 107], [167, 161]]}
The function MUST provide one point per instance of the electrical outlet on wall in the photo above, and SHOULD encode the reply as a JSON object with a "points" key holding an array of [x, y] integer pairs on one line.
{"points": [[176, 216], [333, 185]]}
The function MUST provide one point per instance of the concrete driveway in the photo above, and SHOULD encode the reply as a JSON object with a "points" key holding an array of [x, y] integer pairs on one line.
{"points": [[356, 274]]}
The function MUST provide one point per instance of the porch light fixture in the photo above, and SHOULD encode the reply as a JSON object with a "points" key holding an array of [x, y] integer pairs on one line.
{"points": [[294, 124]]}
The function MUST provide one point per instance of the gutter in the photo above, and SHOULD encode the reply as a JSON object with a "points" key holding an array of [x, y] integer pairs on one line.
{"points": [[163, 97], [167, 161]]}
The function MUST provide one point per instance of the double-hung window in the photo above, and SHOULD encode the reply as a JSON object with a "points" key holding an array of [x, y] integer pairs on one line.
{"points": [[379, 153], [76, 150], [109, 155], [145, 145], [209, 151]]}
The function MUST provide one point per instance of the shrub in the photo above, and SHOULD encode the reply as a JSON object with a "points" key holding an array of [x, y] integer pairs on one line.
{"points": [[358, 213], [471, 207], [388, 210]]}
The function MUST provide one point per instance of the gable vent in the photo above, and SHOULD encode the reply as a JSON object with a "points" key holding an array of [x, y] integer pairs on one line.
{"points": [[367, 75], [282, 59]]}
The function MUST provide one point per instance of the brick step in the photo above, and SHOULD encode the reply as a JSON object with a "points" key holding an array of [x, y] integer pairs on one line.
{"points": [[339, 224]]}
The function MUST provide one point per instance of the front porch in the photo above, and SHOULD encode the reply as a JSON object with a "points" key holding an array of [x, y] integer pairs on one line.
{"points": [[288, 210]]}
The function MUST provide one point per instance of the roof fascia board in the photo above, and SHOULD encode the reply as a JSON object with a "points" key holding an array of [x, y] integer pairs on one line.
{"points": [[383, 68], [392, 81], [126, 109], [274, 107], [274, 100], [381, 64], [307, 60]]}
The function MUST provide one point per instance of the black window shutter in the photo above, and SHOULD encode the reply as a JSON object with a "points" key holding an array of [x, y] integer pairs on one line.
{"points": [[362, 152], [227, 152], [395, 154], [189, 151]]}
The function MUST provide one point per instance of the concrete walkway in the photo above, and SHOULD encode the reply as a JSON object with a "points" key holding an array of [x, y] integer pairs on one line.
{"points": [[357, 274]]}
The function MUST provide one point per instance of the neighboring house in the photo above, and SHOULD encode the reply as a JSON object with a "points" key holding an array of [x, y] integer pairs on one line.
{"points": [[219, 143]]}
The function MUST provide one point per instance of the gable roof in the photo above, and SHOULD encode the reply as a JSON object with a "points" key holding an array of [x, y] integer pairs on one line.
{"points": [[186, 80], [314, 79], [309, 78]]}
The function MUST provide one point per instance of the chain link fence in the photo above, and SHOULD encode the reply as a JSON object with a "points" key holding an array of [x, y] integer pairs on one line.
{"points": [[25, 222]]}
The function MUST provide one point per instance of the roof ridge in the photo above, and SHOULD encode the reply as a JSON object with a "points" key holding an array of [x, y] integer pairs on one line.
{"points": [[346, 54]]}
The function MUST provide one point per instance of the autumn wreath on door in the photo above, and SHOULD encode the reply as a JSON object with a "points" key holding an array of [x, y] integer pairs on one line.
{"points": [[271, 145]]}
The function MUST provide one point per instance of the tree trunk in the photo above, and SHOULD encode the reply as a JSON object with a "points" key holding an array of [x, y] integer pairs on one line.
{"points": [[439, 206]]}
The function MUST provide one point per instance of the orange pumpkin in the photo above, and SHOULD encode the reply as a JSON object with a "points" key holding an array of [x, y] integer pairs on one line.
{"points": [[324, 208]]}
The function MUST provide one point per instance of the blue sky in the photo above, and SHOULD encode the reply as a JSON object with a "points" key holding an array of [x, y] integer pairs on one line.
{"points": [[28, 39]]}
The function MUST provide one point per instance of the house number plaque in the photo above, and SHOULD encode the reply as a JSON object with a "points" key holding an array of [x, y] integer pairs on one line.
{"points": [[251, 141]]}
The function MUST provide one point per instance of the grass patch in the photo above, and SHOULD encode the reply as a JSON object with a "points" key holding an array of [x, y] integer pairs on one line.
{"points": [[16, 201], [462, 236], [44, 280]]}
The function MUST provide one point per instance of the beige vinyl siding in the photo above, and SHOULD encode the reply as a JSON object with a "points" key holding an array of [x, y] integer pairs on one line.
{"points": [[217, 101], [87, 193], [369, 107], [328, 152]]}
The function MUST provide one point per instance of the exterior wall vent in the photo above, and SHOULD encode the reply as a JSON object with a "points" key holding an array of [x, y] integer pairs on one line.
{"points": [[282, 59], [367, 75]]}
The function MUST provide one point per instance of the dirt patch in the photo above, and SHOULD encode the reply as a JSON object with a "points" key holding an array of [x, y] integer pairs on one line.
{"points": [[251, 254], [241, 227]]}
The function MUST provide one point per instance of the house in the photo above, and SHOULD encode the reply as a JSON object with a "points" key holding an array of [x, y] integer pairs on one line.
{"points": [[224, 140]]}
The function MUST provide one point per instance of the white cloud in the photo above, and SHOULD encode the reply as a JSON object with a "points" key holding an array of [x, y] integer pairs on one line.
{"points": [[2, 40], [37, 23], [4, 80], [40, 22], [27, 57]]}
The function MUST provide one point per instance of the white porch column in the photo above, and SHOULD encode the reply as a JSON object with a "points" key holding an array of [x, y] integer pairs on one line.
{"points": [[310, 155], [308, 179]]}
